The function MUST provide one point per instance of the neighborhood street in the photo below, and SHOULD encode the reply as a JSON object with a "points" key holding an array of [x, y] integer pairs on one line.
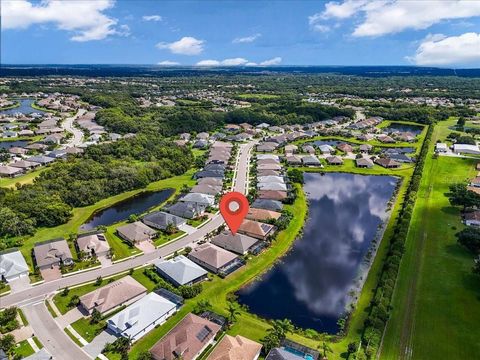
{"points": [[32, 299], [67, 124]]}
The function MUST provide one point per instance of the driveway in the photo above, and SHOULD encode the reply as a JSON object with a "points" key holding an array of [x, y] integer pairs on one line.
{"points": [[51, 274], [97, 345], [105, 260], [145, 246], [50, 335], [22, 334], [70, 317], [19, 284], [187, 228]]}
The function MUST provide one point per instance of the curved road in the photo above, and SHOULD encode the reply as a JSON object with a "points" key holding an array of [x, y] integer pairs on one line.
{"points": [[32, 299], [67, 124]]}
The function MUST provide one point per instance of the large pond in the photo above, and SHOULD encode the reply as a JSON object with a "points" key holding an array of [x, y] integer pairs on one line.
{"points": [[10, 144], [24, 108], [311, 284], [121, 211], [398, 127]]}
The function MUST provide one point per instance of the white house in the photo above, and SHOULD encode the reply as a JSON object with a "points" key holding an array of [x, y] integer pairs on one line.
{"points": [[12, 265], [472, 218], [139, 318], [441, 148], [466, 149]]}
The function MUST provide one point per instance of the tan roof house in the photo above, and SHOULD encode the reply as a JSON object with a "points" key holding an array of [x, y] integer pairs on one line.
{"points": [[213, 258], [262, 214], [186, 340], [93, 244], [237, 243], [115, 294], [136, 232], [256, 229], [272, 194], [236, 348], [52, 253]]}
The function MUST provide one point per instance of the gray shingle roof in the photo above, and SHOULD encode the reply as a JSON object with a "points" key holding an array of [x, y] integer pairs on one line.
{"points": [[180, 269]]}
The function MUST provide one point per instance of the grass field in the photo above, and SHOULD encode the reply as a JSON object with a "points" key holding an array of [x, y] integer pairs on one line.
{"points": [[436, 309], [87, 330], [23, 349], [22, 180]]}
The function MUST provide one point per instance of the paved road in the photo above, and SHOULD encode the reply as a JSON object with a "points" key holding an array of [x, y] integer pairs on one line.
{"points": [[39, 292], [58, 344], [67, 124]]}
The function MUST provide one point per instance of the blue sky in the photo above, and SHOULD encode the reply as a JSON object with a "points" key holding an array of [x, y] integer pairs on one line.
{"points": [[344, 32]]}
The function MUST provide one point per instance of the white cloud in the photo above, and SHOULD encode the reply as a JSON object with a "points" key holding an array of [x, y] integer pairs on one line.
{"points": [[186, 46], [85, 19], [275, 61], [251, 64], [321, 28], [152, 18], [383, 17], [246, 39], [168, 63], [234, 62], [441, 50], [208, 63]]}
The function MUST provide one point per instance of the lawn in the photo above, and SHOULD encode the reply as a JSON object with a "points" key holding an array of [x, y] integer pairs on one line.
{"points": [[23, 349], [258, 96], [121, 248], [436, 310], [164, 238], [74, 339], [87, 330], [4, 289], [23, 179], [80, 215]]}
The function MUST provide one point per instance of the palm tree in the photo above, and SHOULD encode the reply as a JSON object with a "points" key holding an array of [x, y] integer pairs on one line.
{"points": [[233, 312], [202, 306], [325, 349], [281, 328]]}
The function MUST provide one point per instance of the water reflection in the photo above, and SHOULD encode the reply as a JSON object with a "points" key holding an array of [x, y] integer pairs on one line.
{"points": [[311, 284], [24, 108]]}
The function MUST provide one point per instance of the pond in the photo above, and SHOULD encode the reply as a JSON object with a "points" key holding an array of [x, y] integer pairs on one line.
{"points": [[10, 144], [122, 210], [331, 142], [398, 127], [311, 284], [24, 108], [398, 150]]}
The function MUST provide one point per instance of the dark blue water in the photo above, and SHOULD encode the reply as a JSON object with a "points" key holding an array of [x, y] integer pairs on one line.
{"points": [[330, 142], [397, 127], [310, 285], [24, 108], [9, 144], [121, 211]]}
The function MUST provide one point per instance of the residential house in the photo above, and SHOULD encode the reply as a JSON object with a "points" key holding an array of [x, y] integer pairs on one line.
{"points": [[187, 340], [256, 229], [238, 243], [267, 147], [41, 159], [268, 172], [52, 253], [290, 149], [268, 156], [441, 147], [273, 205], [213, 258], [236, 348], [93, 244], [142, 316], [365, 148], [346, 148], [180, 271], [198, 199], [387, 163], [334, 160], [269, 167], [136, 232], [293, 159], [113, 295], [186, 210], [309, 149], [262, 214], [10, 172], [326, 149], [25, 165], [272, 195], [271, 179], [212, 181], [364, 163], [161, 220], [311, 160], [207, 189], [12, 265], [385, 139], [272, 186]]}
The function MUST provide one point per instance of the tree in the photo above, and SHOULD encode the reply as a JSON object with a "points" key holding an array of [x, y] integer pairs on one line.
{"points": [[281, 328], [470, 238], [466, 140], [74, 301], [65, 291], [325, 348], [352, 347], [145, 355], [270, 341], [96, 317], [233, 312], [170, 228], [132, 218], [295, 175], [459, 195], [476, 266], [99, 281], [7, 343], [202, 306]]}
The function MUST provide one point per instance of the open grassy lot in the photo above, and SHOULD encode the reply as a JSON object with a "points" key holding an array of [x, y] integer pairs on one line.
{"points": [[436, 309], [87, 330], [80, 215], [23, 349], [258, 96], [164, 238], [22, 180]]}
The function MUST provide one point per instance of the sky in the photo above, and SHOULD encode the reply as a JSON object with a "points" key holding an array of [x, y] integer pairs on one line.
{"points": [[241, 33]]}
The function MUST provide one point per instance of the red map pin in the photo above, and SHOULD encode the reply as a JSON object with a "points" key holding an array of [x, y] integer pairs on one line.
{"points": [[234, 207]]}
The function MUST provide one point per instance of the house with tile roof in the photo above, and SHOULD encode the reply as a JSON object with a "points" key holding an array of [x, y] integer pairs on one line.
{"points": [[180, 271]]}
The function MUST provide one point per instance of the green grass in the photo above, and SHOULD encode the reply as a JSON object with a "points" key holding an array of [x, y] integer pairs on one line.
{"points": [[39, 344], [5, 289], [22, 180], [121, 248], [196, 222], [436, 308], [81, 215], [86, 330], [23, 349], [74, 339], [22, 316], [257, 96], [165, 238], [50, 309]]}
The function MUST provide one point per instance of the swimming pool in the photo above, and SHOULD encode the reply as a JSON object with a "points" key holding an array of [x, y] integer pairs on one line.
{"points": [[298, 353]]}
